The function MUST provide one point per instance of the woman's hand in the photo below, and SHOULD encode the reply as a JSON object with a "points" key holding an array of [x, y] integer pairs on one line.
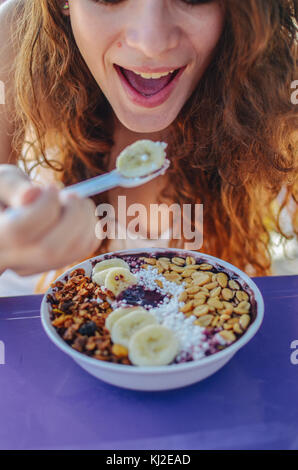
{"points": [[40, 229]]}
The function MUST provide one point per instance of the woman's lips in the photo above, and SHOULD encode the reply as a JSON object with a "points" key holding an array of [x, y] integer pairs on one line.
{"points": [[148, 92], [147, 86]]}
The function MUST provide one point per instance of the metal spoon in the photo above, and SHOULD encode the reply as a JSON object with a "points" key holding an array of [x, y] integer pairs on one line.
{"points": [[110, 180]]}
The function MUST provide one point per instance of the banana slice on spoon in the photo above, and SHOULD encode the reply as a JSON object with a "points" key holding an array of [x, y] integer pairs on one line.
{"points": [[141, 158], [137, 164]]}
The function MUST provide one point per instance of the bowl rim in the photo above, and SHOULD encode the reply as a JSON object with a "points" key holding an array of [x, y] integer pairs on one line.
{"points": [[123, 368]]}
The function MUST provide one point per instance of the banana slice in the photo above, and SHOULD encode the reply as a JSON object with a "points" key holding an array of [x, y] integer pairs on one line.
{"points": [[119, 313], [141, 158], [119, 279], [126, 326], [153, 345], [101, 269], [110, 263], [100, 277]]}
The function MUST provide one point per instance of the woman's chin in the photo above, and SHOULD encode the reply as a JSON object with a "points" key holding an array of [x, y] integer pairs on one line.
{"points": [[144, 124]]}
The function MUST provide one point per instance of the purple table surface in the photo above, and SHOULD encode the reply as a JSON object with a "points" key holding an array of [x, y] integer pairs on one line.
{"points": [[49, 402]]}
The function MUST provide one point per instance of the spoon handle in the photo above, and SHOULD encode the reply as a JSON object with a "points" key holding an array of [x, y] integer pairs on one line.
{"points": [[95, 185]]}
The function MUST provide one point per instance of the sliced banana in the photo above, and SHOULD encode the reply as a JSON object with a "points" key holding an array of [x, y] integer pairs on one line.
{"points": [[153, 345], [126, 326], [110, 263], [100, 277], [101, 269], [119, 313], [119, 279], [141, 158]]}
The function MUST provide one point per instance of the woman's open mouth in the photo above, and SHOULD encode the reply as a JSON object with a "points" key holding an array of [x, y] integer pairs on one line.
{"points": [[149, 89]]}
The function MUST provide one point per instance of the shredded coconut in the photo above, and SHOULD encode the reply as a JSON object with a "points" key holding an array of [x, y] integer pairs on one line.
{"points": [[191, 337]]}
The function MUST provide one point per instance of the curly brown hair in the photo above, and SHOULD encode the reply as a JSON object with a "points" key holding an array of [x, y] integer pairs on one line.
{"points": [[234, 143]]}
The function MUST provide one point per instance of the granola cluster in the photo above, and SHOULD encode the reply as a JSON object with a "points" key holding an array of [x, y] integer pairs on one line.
{"points": [[78, 312]]}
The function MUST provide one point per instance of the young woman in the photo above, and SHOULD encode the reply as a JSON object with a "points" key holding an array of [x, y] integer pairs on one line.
{"points": [[85, 78]]}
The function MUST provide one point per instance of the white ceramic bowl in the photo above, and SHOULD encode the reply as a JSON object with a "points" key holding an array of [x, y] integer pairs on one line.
{"points": [[163, 377]]}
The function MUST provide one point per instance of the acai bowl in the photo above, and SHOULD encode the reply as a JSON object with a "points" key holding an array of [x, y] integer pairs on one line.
{"points": [[154, 319]]}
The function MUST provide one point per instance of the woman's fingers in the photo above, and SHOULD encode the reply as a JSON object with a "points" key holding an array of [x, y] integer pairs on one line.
{"points": [[42, 229], [27, 224], [16, 189], [73, 237]]}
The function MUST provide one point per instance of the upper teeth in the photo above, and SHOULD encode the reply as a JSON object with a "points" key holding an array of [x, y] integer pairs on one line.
{"points": [[154, 75]]}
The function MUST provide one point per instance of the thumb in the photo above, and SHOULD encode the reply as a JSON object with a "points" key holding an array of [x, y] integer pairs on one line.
{"points": [[29, 194], [16, 189]]}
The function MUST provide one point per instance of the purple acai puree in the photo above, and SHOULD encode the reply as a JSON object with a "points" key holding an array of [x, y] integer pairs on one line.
{"points": [[137, 295], [156, 301]]}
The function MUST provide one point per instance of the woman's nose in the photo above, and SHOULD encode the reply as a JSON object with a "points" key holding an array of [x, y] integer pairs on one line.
{"points": [[151, 29]]}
